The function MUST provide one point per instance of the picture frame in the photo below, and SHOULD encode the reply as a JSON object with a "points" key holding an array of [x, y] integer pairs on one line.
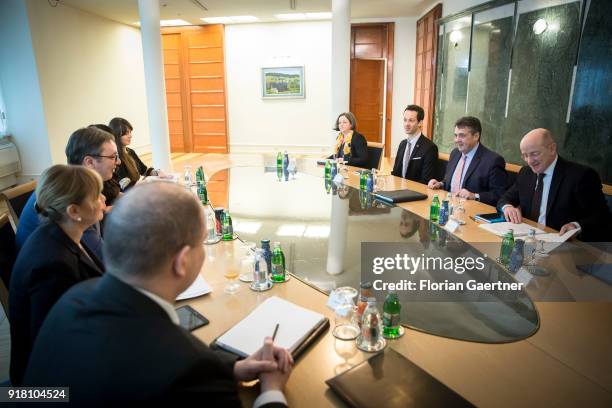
{"points": [[282, 82]]}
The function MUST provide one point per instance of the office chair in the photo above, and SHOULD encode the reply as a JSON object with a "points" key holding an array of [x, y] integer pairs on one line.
{"points": [[15, 199]]}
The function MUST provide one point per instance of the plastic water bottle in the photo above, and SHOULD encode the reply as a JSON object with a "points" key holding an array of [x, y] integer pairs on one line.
{"points": [[279, 166], [188, 178], [278, 263], [506, 248], [434, 209], [444, 213], [267, 253], [327, 169], [260, 272], [286, 165], [369, 339]]}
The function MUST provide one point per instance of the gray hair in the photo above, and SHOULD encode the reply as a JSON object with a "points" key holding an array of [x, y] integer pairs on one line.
{"points": [[149, 226]]}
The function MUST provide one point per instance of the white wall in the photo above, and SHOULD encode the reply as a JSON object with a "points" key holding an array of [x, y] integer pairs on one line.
{"points": [[90, 70], [256, 124], [20, 87]]}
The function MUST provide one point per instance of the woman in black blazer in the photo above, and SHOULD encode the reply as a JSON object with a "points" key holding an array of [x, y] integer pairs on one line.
{"points": [[131, 166], [351, 146], [53, 258]]}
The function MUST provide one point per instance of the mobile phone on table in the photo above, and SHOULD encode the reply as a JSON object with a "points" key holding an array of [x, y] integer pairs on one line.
{"points": [[190, 319]]}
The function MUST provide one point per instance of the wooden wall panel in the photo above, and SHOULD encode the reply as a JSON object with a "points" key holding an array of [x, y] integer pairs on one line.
{"points": [[174, 102], [197, 55], [425, 66]]}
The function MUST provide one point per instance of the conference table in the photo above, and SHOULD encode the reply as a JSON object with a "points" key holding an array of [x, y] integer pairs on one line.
{"points": [[551, 345]]}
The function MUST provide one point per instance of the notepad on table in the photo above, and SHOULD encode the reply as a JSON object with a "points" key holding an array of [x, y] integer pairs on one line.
{"points": [[297, 327], [502, 228]]}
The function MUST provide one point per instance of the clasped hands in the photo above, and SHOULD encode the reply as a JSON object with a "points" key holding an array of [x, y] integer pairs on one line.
{"points": [[463, 193], [271, 364]]}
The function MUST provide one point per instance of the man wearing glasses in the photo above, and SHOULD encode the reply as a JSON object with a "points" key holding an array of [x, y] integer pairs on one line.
{"points": [[92, 148], [556, 192]]}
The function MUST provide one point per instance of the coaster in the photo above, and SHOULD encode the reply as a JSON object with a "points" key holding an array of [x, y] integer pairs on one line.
{"points": [[267, 286], [287, 277], [380, 344], [246, 277], [212, 241]]}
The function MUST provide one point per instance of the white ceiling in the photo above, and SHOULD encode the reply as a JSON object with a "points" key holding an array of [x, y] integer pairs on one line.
{"points": [[126, 11]]}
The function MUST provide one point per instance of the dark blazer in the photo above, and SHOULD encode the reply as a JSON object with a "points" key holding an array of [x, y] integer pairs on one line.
{"points": [[114, 345], [359, 151], [48, 264], [423, 160], [486, 174], [575, 196], [122, 172]]}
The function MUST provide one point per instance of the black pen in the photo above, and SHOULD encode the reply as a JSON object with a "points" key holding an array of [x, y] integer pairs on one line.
{"points": [[275, 331]]}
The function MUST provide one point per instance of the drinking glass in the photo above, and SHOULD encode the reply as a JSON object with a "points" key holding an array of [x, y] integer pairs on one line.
{"points": [[292, 167], [247, 261], [232, 266]]}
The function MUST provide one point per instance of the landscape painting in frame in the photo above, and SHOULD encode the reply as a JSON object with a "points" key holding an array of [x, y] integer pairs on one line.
{"points": [[283, 82]]}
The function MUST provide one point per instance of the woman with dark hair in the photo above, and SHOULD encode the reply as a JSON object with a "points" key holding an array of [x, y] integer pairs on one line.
{"points": [[55, 257], [131, 166], [351, 146]]}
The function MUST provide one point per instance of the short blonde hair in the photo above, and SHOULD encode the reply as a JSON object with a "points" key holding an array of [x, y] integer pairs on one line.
{"points": [[62, 185]]}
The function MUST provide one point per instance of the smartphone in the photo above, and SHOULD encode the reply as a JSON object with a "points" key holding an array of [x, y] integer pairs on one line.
{"points": [[190, 319]]}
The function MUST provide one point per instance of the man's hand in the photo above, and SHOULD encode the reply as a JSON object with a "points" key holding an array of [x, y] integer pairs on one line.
{"points": [[434, 184], [567, 227], [513, 214], [255, 364], [463, 193], [274, 380]]}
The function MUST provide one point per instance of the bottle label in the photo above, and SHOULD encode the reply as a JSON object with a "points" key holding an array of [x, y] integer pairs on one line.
{"points": [[391, 319]]}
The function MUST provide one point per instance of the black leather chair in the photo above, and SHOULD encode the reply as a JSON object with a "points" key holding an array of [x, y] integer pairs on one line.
{"points": [[8, 255], [375, 152]]}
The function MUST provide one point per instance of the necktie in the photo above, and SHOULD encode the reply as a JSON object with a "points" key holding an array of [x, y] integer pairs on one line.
{"points": [[456, 182], [537, 198], [406, 159]]}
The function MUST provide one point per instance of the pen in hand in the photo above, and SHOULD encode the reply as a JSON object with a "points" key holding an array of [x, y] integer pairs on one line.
{"points": [[275, 331]]}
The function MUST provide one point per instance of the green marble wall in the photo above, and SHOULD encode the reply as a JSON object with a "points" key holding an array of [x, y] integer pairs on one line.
{"points": [[540, 86]]}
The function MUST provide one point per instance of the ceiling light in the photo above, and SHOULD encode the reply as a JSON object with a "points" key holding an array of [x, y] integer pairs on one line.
{"points": [[169, 23], [319, 16], [291, 16], [230, 19], [539, 26], [455, 37], [317, 231], [247, 227]]}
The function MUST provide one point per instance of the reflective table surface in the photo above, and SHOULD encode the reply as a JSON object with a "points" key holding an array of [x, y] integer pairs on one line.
{"points": [[321, 227]]}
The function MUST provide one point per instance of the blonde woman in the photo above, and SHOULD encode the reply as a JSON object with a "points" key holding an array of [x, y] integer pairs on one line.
{"points": [[53, 258], [351, 146]]}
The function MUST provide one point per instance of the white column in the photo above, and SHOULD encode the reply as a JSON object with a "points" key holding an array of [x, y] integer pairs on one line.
{"points": [[154, 82], [336, 244], [341, 56]]}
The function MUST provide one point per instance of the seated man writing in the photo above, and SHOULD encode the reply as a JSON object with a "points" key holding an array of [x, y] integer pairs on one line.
{"points": [[117, 340]]}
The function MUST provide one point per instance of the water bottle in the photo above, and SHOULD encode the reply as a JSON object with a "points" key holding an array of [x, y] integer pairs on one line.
{"points": [[188, 178], [279, 166], [267, 253], [260, 272], [370, 337], [333, 169], [286, 166], [530, 247], [443, 215], [391, 316], [211, 224], [506, 248], [369, 182], [327, 169], [200, 175], [226, 226], [278, 263], [434, 209], [202, 193], [362, 180]]}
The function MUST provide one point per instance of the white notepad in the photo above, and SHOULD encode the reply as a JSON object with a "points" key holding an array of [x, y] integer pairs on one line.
{"points": [[502, 228], [296, 324]]}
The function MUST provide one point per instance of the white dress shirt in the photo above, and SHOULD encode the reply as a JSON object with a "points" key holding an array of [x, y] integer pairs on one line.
{"points": [[411, 141], [264, 398]]}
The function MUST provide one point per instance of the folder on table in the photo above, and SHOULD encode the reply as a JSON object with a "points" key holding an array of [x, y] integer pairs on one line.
{"points": [[391, 380], [399, 196], [297, 328]]}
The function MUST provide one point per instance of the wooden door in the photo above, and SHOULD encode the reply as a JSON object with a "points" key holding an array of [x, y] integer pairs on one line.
{"points": [[372, 41], [171, 45], [367, 93], [425, 66], [201, 85]]}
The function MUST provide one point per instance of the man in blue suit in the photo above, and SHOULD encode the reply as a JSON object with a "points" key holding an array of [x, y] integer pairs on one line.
{"points": [[473, 171]]}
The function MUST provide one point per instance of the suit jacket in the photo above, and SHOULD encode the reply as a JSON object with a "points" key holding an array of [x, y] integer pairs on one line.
{"points": [[112, 344], [575, 196], [423, 160], [486, 174], [48, 265], [359, 151], [122, 172]]}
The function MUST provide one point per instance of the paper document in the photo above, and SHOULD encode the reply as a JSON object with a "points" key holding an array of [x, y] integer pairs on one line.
{"points": [[552, 240], [501, 228], [199, 287], [295, 324]]}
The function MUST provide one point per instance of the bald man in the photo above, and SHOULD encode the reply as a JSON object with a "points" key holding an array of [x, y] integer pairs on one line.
{"points": [[117, 339], [556, 192]]}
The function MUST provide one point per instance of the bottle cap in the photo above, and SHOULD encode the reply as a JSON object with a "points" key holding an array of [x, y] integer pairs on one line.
{"points": [[366, 285]]}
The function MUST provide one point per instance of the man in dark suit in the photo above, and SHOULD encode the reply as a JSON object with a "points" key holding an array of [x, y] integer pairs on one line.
{"points": [[417, 156], [117, 339], [473, 171], [556, 192]]}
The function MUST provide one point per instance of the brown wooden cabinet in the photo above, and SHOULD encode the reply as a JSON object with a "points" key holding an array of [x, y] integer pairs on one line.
{"points": [[194, 70]]}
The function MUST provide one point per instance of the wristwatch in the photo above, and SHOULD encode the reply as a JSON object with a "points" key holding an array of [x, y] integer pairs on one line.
{"points": [[477, 197]]}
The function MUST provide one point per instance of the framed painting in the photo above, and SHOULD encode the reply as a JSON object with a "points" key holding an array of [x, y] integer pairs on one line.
{"points": [[282, 82]]}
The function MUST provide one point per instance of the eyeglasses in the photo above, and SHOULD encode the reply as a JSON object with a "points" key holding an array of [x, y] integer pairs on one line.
{"points": [[114, 157]]}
